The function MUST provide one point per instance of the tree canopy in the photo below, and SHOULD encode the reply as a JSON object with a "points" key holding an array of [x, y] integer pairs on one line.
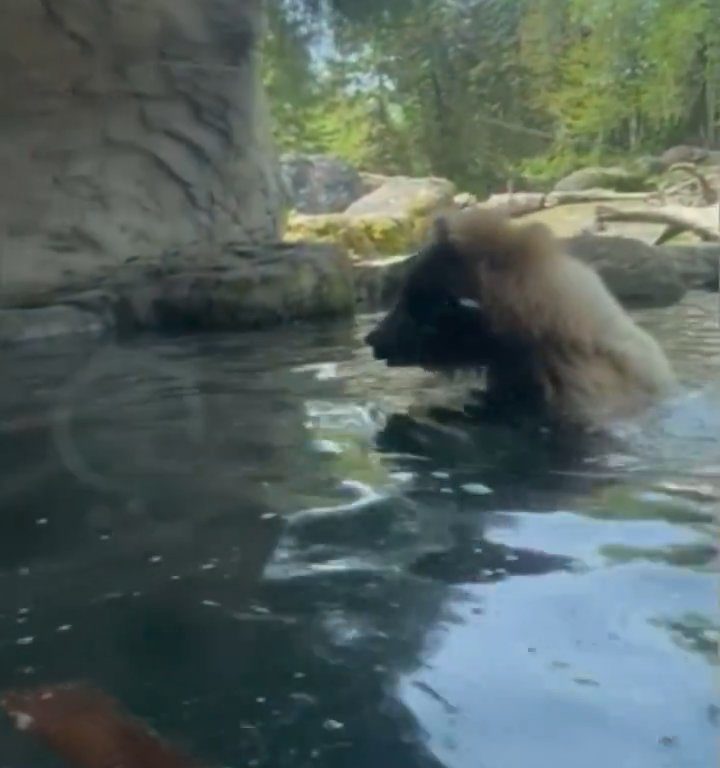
{"points": [[482, 90]]}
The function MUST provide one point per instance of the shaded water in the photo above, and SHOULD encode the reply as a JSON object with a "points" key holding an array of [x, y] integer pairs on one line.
{"points": [[220, 531]]}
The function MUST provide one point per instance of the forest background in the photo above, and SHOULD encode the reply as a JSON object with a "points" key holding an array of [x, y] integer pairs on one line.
{"points": [[483, 92]]}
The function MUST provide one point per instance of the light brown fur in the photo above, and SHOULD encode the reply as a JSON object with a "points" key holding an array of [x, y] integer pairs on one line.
{"points": [[592, 361]]}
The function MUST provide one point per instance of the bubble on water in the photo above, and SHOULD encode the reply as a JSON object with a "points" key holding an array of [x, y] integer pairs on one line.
{"points": [[441, 475], [29, 640], [476, 489], [156, 559], [41, 521], [333, 725], [64, 628]]}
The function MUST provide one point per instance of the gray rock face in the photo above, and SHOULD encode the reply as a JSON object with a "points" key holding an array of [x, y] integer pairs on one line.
{"points": [[320, 183], [129, 127]]}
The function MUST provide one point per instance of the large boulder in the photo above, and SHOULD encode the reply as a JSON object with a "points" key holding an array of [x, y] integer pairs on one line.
{"points": [[405, 196], [129, 127], [320, 183], [620, 179], [640, 275]]}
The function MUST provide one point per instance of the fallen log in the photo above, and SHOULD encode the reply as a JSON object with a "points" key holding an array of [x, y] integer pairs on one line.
{"points": [[703, 222], [595, 196]]}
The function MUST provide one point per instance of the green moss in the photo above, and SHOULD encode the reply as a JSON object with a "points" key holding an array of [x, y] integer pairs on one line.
{"points": [[371, 235]]}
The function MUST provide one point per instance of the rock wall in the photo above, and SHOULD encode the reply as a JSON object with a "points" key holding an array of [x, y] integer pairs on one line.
{"points": [[128, 127]]}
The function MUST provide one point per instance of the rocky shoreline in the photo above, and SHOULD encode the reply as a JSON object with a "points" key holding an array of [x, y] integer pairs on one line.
{"points": [[336, 259], [255, 288]]}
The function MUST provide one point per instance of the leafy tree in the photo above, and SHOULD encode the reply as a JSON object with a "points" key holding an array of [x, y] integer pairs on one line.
{"points": [[476, 89]]}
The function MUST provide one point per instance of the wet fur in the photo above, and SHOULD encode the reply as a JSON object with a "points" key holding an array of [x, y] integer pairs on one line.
{"points": [[546, 328]]}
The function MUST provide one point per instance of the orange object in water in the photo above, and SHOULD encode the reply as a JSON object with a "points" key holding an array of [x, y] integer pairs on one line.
{"points": [[88, 729]]}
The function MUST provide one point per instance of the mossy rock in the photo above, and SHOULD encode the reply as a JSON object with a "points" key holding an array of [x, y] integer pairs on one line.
{"points": [[369, 235]]}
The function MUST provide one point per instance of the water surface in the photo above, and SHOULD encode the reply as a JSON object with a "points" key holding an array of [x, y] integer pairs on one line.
{"points": [[228, 533]]}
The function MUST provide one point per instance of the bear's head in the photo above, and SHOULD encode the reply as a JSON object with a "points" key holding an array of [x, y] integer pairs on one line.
{"points": [[447, 316]]}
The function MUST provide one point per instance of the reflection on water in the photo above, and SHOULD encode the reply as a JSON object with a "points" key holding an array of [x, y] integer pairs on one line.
{"points": [[231, 535]]}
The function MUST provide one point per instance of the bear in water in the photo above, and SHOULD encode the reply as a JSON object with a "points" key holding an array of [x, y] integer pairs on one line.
{"points": [[489, 294]]}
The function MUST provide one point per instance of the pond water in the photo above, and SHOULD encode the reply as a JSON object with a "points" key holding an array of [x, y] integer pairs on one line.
{"points": [[229, 534]]}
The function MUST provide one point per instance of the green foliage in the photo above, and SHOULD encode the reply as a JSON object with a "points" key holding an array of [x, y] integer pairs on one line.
{"points": [[480, 91]]}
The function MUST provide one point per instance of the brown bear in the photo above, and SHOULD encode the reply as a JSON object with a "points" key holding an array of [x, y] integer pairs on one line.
{"points": [[489, 294]]}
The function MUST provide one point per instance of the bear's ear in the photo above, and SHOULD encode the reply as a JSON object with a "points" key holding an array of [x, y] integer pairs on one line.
{"points": [[440, 231]]}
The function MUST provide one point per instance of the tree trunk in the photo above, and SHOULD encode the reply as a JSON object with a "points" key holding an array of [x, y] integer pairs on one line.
{"points": [[129, 127]]}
